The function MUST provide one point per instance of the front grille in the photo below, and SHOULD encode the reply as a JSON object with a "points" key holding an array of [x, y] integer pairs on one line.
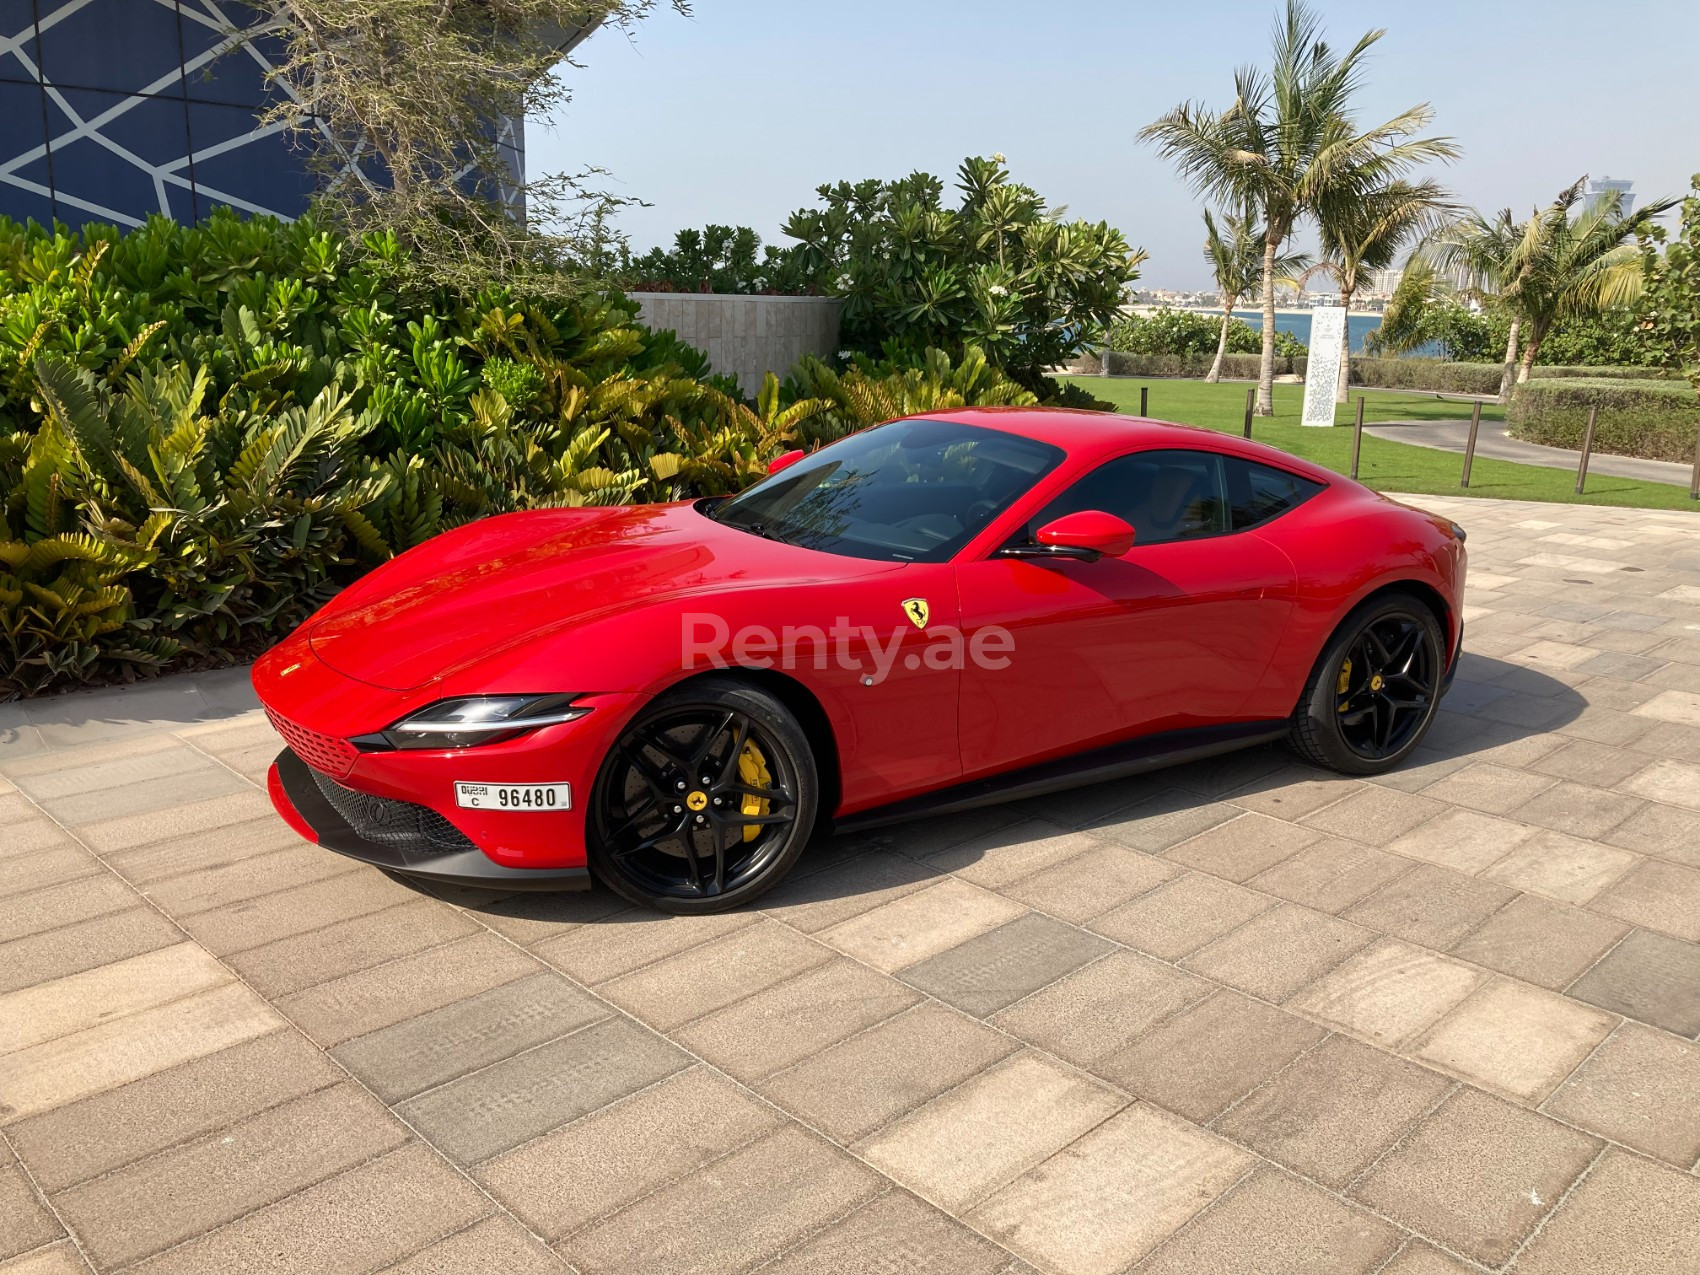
{"points": [[324, 753], [400, 825]]}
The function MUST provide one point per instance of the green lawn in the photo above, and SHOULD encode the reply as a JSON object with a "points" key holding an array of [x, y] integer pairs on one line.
{"points": [[1384, 466]]}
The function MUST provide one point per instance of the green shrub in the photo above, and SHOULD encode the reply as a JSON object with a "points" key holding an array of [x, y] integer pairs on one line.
{"points": [[1654, 419], [1073, 395], [1433, 375], [1000, 271], [1462, 335], [1192, 332], [277, 311], [1541, 372], [1235, 367], [206, 431], [1611, 338], [866, 392], [720, 259], [1394, 374], [1426, 374], [1181, 332], [149, 524]]}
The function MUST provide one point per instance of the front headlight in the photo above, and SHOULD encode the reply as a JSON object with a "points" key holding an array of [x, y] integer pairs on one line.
{"points": [[484, 719]]}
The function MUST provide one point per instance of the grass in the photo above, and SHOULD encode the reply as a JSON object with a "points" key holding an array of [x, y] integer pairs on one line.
{"points": [[1383, 465]]}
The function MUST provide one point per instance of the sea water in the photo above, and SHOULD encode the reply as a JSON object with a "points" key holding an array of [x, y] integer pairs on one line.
{"points": [[1358, 326]]}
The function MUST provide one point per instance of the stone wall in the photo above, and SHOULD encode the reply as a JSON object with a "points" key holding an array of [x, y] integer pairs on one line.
{"points": [[746, 337]]}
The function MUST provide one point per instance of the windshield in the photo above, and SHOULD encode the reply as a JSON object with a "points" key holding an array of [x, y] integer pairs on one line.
{"points": [[908, 491]]}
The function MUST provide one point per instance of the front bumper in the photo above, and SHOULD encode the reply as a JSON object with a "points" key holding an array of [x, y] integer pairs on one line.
{"points": [[318, 711], [298, 798]]}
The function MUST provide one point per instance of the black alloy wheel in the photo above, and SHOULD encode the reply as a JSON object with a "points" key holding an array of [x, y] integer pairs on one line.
{"points": [[1375, 690], [1386, 687], [706, 801]]}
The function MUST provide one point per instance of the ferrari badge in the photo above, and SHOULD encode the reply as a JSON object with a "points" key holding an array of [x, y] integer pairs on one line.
{"points": [[916, 610]]}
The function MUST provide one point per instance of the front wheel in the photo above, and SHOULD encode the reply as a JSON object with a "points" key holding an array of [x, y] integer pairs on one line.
{"points": [[706, 801], [1375, 690]]}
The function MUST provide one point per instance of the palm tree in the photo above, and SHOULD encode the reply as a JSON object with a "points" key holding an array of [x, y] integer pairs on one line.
{"points": [[1289, 140], [1401, 329], [1234, 250], [1572, 266], [1482, 255], [1363, 231]]}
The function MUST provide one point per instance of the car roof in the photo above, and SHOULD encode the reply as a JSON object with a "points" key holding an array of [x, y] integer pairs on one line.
{"points": [[1085, 433]]}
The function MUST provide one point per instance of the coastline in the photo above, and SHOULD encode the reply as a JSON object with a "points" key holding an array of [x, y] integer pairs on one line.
{"points": [[1287, 310]]}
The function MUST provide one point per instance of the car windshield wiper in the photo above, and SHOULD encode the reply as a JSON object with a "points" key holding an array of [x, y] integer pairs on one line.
{"points": [[760, 529]]}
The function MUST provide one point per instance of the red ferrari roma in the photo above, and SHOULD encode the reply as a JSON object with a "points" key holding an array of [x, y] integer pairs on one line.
{"points": [[937, 613]]}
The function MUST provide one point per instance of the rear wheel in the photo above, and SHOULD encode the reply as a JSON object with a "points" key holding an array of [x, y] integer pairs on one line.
{"points": [[706, 801], [1375, 690]]}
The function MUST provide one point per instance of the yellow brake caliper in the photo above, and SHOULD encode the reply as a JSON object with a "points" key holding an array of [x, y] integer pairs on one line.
{"points": [[752, 769], [1343, 683]]}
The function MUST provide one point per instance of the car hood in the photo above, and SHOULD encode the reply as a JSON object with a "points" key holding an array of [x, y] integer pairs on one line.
{"points": [[501, 582]]}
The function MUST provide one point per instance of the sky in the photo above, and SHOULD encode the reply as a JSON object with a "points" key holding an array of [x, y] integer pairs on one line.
{"points": [[737, 113]]}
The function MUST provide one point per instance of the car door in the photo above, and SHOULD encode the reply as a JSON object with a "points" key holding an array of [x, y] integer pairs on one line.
{"points": [[882, 663], [1176, 633], [881, 653]]}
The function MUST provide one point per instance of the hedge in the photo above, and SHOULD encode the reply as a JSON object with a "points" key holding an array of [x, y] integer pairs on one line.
{"points": [[1235, 367], [1569, 373], [1427, 374], [1430, 375], [1401, 374], [1652, 419]]}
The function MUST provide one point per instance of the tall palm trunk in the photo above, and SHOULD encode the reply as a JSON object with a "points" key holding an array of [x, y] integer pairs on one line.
{"points": [[1342, 387], [1526, 364], [1510, 370], [1266, 370], [1215, 373]]}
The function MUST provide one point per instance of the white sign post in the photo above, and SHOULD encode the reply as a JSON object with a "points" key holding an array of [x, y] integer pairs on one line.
{"points": [[1322, 369]]}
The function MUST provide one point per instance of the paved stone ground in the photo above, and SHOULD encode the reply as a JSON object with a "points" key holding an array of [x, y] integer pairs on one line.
{"points": [[1239, 1016]]}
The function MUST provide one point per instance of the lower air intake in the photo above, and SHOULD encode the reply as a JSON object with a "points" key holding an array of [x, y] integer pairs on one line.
{"points": [[400, 825]]}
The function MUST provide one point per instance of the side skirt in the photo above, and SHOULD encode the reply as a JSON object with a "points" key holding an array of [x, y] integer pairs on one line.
{"points": [[1452, 664], [1115, 761]]}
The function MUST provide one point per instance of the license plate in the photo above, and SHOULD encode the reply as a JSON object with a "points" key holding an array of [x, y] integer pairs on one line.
{"points": [[520, 797]]}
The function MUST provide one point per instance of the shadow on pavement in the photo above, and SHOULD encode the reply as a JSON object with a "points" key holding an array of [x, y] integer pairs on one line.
{"points": [[1492, 706]]}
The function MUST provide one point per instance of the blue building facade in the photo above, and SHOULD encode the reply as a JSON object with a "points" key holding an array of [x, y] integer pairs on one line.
{"points": [[113, 110]]}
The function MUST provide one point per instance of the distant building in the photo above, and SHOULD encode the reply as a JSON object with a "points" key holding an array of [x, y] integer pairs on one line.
{"points": [[1383, 283], [1601, 189], [112, 110]]}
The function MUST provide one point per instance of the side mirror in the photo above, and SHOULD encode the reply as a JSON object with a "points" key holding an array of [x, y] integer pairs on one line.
{"points": [[1089, 533], [785, 460]]}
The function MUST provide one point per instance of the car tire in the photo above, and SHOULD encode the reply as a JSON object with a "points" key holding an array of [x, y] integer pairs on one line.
{"points": [[1359, 713], [713, 863]]}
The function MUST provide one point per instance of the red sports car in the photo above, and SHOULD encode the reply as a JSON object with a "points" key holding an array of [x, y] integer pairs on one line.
{"points": [[937, 613]]}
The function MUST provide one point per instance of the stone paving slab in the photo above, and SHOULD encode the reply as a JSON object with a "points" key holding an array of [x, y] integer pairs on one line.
{"points": [[1241, 1015]]}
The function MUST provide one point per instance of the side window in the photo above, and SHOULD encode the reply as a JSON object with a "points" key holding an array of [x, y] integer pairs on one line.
{"points": [[1258, 493], [1163, 495]]}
